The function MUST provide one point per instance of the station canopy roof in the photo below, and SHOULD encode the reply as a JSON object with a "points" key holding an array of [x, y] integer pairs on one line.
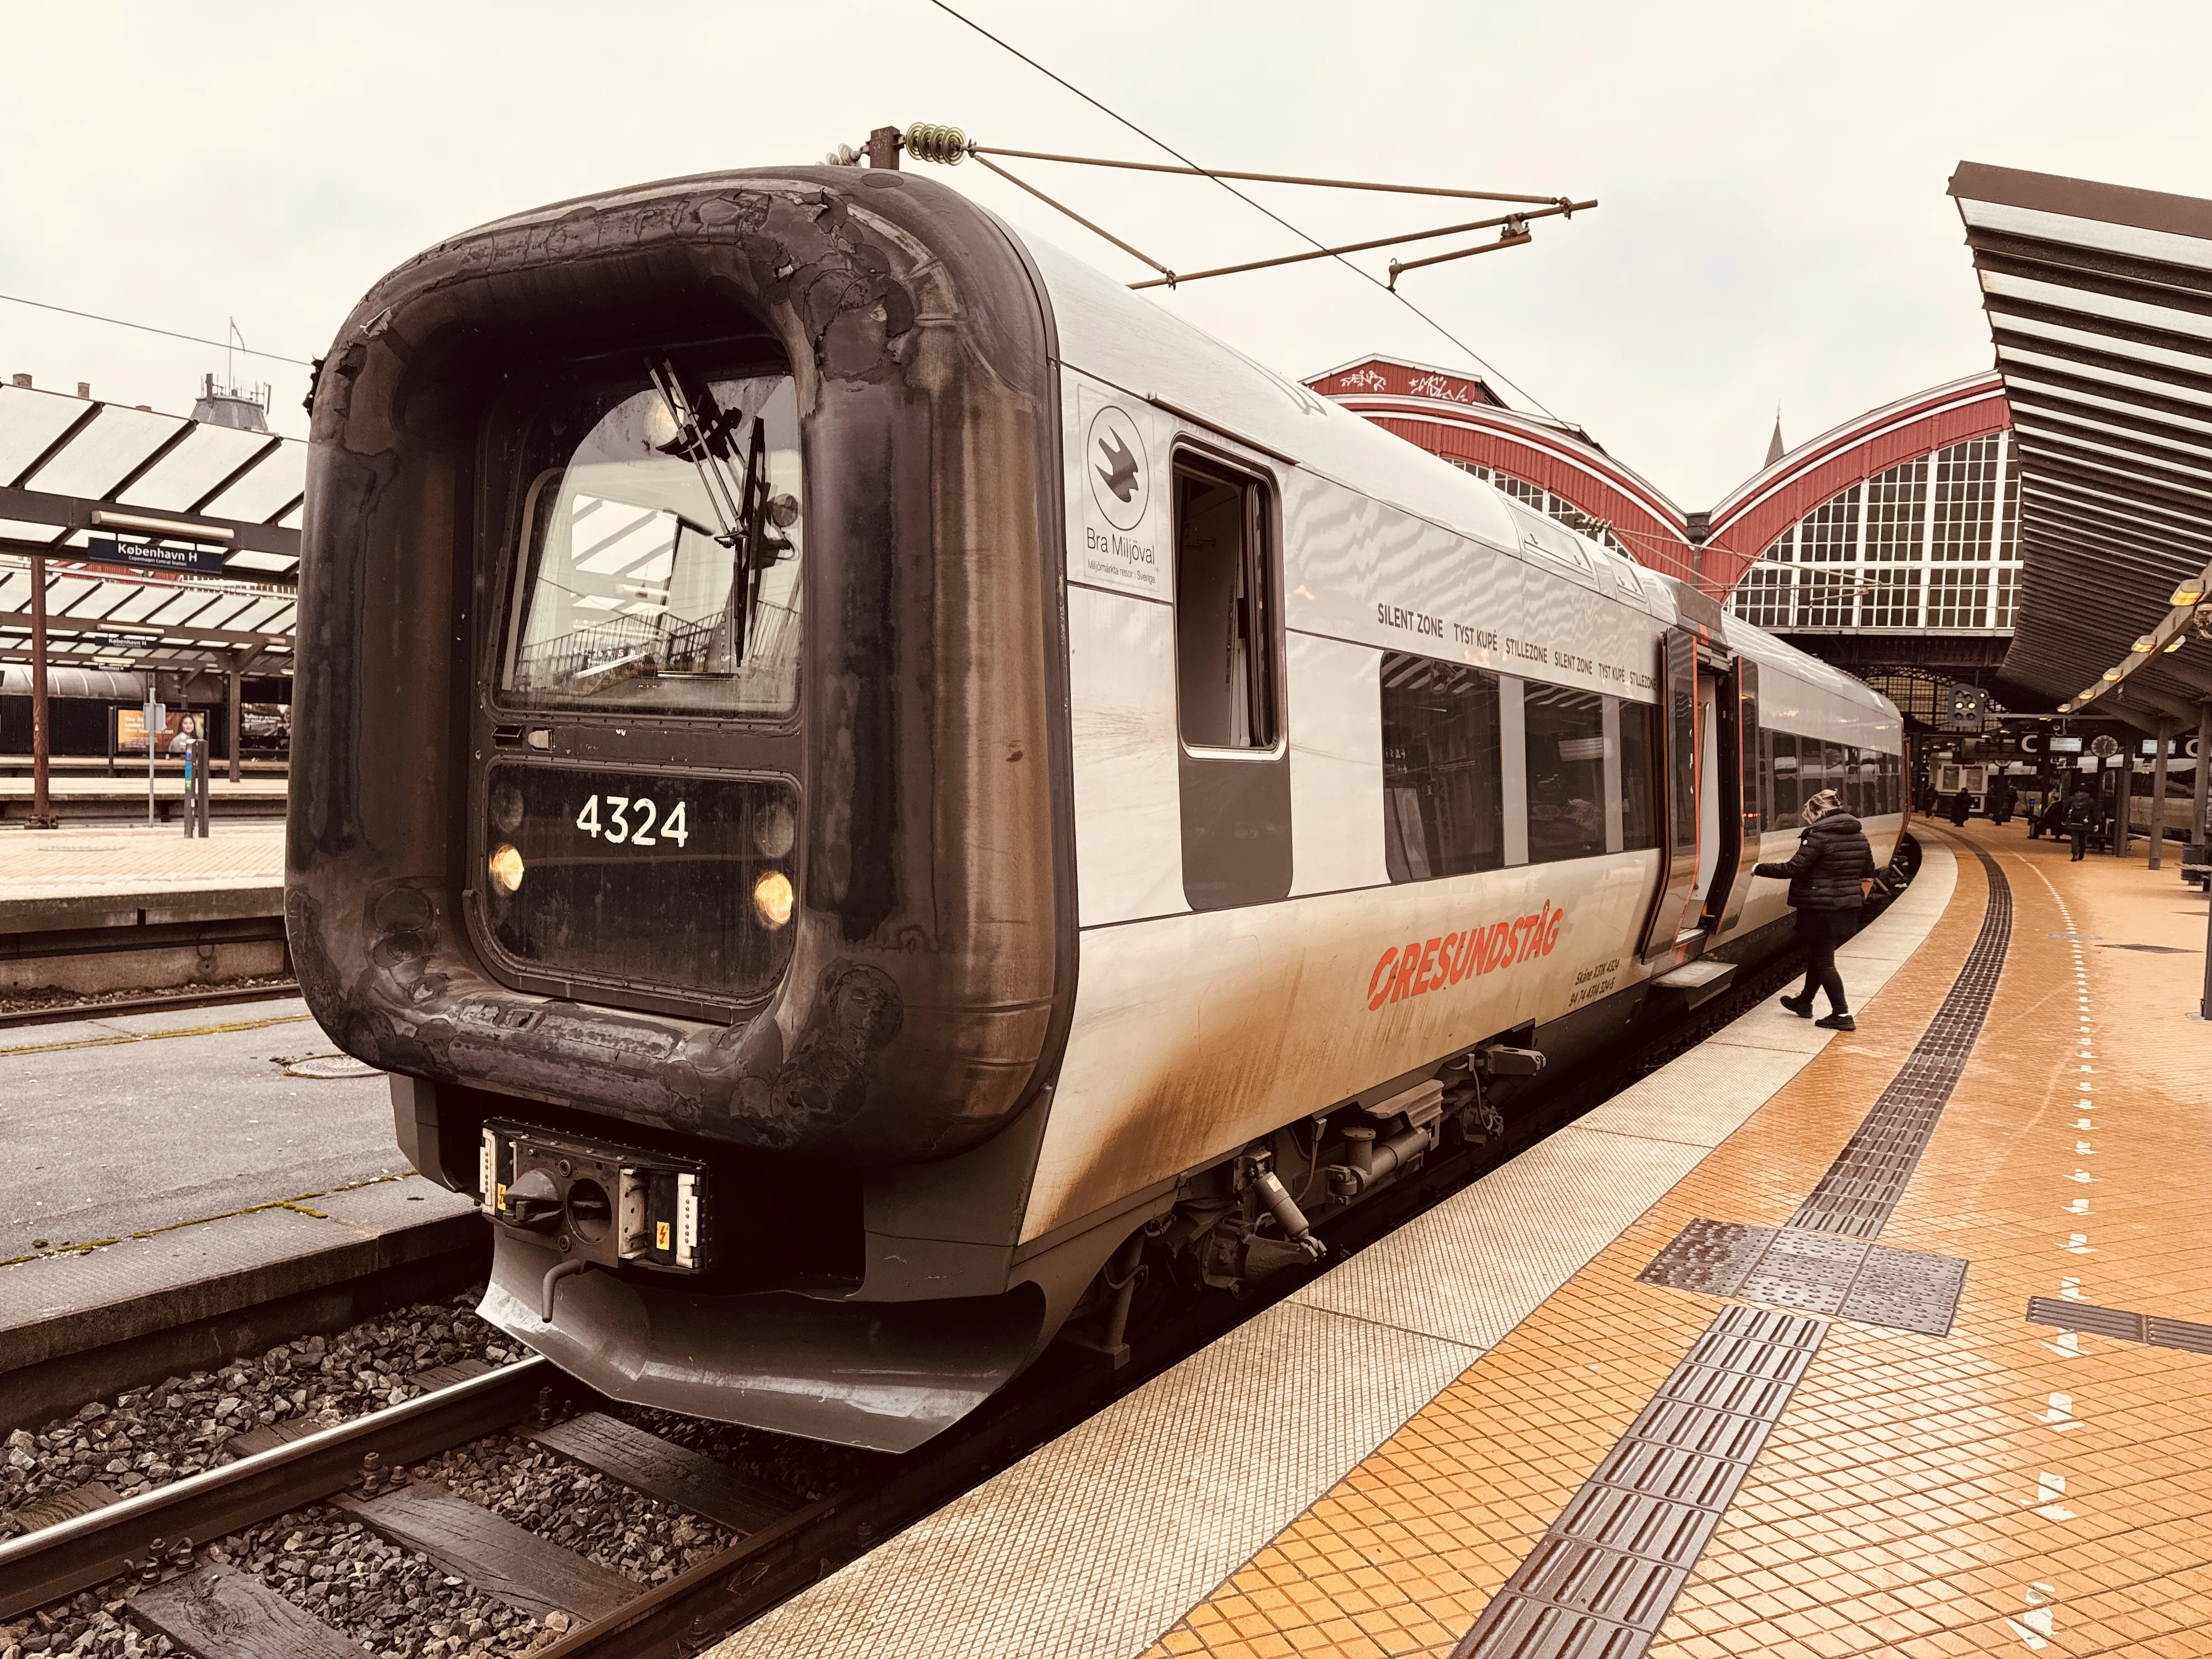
{"points": [[99, 621], [2099, 303], [105, 491]]}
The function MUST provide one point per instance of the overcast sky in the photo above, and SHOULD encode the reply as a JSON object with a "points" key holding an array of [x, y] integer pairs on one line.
{"points": [[1773, 227]]}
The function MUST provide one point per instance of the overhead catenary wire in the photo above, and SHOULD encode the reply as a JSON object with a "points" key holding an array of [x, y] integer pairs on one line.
{"points": [[147, 328], [1366, 277]]}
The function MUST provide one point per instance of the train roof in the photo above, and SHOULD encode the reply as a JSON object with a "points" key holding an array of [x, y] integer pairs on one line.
{"points": [[1109, 332]]}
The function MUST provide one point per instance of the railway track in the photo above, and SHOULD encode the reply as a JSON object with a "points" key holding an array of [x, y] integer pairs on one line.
{"points": [[142, 1549], [153, 1002]]}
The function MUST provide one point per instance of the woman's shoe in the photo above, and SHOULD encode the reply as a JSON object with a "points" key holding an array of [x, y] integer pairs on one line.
{"points": [[1801, 1006], [1838, 1023]]}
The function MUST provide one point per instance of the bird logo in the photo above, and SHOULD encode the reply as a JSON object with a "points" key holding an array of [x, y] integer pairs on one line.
{"points": [[1119, 472], [1120, 487]]}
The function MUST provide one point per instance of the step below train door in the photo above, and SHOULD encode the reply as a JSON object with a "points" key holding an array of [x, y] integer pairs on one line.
{"points": [[1677, 757]]}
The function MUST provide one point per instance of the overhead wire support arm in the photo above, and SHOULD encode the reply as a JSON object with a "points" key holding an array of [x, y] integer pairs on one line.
{"points": [[1166, 277], [1511, 240], [948, 146], [981, 150]]}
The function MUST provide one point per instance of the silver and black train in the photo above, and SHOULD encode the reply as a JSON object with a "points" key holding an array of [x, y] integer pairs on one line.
{"points": [[867, 783]]}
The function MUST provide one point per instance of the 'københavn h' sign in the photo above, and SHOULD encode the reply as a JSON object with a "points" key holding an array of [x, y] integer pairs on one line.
{"points": [[146, 556]]}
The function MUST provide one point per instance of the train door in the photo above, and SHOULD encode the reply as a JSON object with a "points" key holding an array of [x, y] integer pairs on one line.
{"points": [[1234, 765], [1703, 727], [1742, 805], [1678, 761]]}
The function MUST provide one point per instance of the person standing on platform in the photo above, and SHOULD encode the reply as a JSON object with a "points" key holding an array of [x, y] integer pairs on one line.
{"points": [[2082, 818], [1828, 876], [2000, 799], [2054, 812], [1961, 804]]}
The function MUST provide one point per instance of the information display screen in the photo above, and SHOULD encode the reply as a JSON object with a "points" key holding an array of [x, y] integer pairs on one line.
{"points": [[682, 883], [2066, 745]]}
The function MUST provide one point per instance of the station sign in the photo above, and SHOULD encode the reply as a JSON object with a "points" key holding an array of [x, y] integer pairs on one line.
{"points": [[151, 556]]}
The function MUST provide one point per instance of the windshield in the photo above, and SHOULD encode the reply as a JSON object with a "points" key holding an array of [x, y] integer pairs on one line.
{"points": [[660, 565]]}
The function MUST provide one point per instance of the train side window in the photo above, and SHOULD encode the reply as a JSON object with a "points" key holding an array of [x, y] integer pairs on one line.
{"points": [[1565, 752], [1786, 798], [1226, 676], [1442, 792], [1864, 786], [1639, 816], [1811, 768]]}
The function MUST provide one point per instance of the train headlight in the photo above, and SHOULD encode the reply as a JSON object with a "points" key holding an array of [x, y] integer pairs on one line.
{"points": [[772, 898], [506, 868]]}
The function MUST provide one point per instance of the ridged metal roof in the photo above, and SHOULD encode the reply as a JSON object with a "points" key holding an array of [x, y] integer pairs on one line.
{"points": [[2099, 303]]}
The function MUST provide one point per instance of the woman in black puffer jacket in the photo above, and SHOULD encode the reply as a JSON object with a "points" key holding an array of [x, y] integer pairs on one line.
{"points": [[1826, 878]]}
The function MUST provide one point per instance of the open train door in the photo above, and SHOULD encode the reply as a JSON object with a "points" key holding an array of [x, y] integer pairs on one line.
{"points": [[1742, 814], [1678, 759]]}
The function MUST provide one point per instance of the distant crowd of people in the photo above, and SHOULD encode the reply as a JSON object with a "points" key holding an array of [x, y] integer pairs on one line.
{"points": [[2076, 813]]}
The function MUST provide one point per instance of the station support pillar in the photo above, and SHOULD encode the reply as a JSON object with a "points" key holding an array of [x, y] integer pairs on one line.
{"points": [[2158, 790], [2197, 829], [237, 719], [42, 808]]}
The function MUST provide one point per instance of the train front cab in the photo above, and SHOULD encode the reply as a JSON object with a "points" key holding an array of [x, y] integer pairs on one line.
{"points": [[665, 824]]}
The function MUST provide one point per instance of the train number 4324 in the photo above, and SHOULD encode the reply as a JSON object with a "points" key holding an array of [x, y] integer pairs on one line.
{"points": [[649, 829]]}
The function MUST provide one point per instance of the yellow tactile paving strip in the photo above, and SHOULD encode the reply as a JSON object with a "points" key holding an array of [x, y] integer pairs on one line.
{"points": [[1920, 1496]]}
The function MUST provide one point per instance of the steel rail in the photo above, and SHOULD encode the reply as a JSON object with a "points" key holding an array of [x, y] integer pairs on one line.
{"points": [[71, 1555], [54, 1012]]}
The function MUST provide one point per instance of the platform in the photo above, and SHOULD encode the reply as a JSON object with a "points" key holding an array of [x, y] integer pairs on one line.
{"points": [[106, 860], [112, 908], [1688, 1377], [171, 1171], [78, 799]]}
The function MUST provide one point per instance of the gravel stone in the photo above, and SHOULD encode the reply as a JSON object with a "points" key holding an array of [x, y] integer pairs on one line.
{"points": [[150, 1436]]}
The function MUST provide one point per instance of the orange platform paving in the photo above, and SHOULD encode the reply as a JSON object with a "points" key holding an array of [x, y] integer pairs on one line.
{"points": [[2008, 1488]]}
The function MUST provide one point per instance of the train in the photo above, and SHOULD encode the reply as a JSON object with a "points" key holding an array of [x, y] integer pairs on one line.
{"points": [[1143, 809]]}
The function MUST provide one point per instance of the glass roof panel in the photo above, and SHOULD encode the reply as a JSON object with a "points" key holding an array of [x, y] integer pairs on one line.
{"points": [[22, 529], [194, 467], [2161, 245], [29, 421], [246, 559], [272, 486], [101, 456], [2098, 305]]}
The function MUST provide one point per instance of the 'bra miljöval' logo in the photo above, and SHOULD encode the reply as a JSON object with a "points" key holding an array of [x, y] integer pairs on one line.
{"points": [[1115, 461]]}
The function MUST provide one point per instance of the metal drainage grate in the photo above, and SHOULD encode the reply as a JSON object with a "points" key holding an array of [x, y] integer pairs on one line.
{"points": [[1814, 1273], [2184, 1334], [1603, 1578]]}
